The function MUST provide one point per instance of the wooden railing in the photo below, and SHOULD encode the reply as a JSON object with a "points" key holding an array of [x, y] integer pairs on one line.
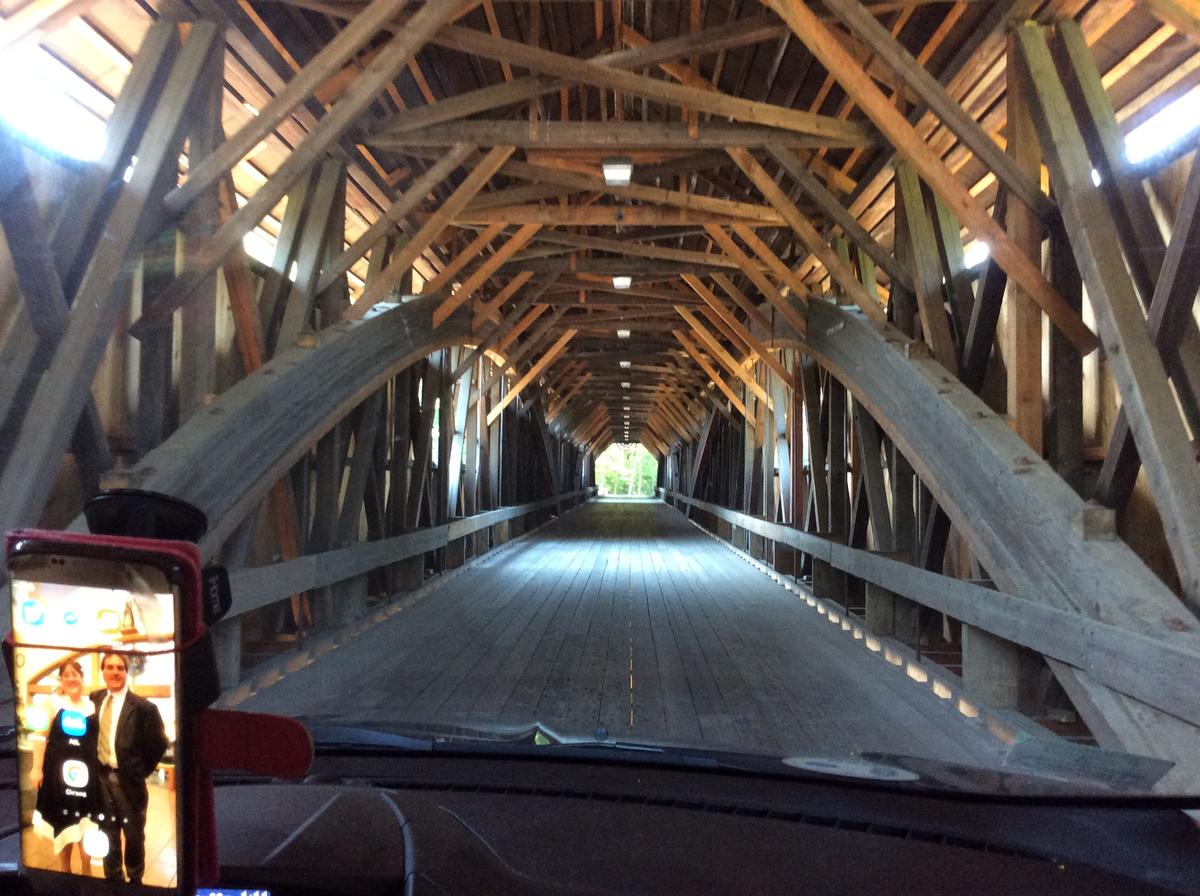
{"points": [[1149, 669], [260, 586]]}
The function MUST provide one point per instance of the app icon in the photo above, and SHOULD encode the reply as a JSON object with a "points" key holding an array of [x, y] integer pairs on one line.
{"points": [[74, 773], [74, 723], [70, 617], [96, 844], [33, 612]]}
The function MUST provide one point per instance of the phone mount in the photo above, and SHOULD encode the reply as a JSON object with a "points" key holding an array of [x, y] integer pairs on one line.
{"points": [[214, 740]]}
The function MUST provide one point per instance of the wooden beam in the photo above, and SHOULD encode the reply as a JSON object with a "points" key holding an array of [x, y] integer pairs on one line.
{"points": [[808, 234], [206, 258], [1170, 310], [1021, 338], [834, 131], [1182, 15], [611, 136], [927, 269], [609, 216], [461, 259], [952, 115], [715, 348], [790, 313], [499, 331], [386, 223], [753, 313], [1136, 365], [124, 127], [773, 262], [825, 47], [46, 315], [434, 224], [718, 308], [39, 18], [839, 214], [477, 278], [547, 358], [345, 43], [649, 194], [635, 249], [710, 371], [735, 34], [28, 475], [491, 310]]}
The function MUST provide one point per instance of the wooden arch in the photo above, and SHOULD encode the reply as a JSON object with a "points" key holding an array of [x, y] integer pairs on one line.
{"points": [[1033, 534]]}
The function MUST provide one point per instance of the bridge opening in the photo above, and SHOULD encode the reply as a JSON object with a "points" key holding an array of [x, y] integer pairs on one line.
{"points": [[626, 471]]}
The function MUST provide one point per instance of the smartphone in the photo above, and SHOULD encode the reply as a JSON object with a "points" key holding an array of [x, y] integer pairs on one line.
{"points": [[96, 680]]}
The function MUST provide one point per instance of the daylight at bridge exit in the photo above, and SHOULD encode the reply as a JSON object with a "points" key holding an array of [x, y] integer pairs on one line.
{"points": [[770, 379]]}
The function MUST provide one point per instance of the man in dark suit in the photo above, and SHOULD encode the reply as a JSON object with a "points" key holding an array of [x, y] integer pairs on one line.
{"points": [[132, 742]]}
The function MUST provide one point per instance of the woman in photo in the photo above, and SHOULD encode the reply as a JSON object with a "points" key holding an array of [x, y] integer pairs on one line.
{"points": [[65, 769]]}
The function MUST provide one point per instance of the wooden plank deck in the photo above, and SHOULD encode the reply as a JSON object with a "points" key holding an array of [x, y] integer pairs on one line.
{"points": [[625, 616]]}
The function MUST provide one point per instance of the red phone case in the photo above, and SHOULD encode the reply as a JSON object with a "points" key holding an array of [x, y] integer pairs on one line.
{"points": [[200, 865]]}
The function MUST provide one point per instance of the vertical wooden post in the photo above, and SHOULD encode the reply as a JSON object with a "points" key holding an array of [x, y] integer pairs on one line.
{"points": [[198, 317], [1001, 672]]}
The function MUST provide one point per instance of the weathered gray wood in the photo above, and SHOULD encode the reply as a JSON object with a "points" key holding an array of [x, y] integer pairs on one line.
{"points": [[198, 319], [29, 473], [382, 70], [554, 633], [1019, 526], [76, 234], [1135, 362], [818, 473], [872, 476], [497, 96], [834, 131], [345, 43], [980, 337], [366, 435], [458, 428], [260, 586], [418, 483], [44, 315], [277, 279], [310, 253], [387, 222], [927, 272], [1170, 315], [154, 359]]}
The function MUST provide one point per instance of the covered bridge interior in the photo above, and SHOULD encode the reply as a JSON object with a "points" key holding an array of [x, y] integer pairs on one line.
{"points": [[901, 296]]}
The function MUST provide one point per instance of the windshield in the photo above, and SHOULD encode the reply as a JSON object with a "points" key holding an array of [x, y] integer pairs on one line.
{"points": [[654, 377]]}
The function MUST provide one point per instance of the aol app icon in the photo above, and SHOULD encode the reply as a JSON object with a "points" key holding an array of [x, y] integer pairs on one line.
{"points": [[74, 723], [75, 773]]}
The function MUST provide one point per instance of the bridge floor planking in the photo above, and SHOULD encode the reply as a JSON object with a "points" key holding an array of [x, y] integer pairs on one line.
{"points": [[625, 616]]}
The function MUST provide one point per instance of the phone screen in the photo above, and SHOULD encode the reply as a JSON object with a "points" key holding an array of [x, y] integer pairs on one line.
{"points": [[96, 682]]}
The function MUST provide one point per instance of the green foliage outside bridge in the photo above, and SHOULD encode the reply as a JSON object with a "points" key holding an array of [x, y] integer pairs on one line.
{"points": [[626, 470]]}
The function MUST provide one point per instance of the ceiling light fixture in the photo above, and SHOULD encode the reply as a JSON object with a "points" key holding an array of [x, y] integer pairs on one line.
{"points": [[622, 334], [625, 364], [622, 282], [625, 385], [618, 171]]}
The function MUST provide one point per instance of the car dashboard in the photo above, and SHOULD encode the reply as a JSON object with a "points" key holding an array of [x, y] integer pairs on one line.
{"points": [[426, 823]]}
